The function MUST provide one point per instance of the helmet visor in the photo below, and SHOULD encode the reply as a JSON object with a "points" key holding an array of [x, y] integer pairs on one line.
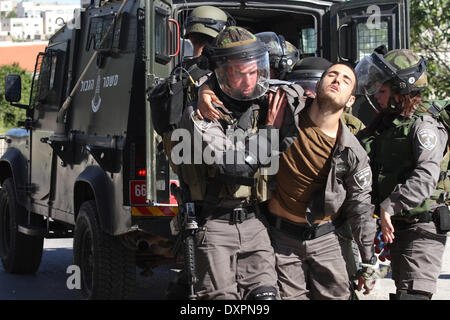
{"points": [[244, 79], [309, 85], [272, 42], [370, 76]]}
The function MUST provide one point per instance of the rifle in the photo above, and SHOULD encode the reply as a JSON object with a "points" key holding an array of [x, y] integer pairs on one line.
{"points": [[184, 226]]}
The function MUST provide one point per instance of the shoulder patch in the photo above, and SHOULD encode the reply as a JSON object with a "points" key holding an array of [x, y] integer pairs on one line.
{"points": [[363, 178], [427, 138], [202, 125]]}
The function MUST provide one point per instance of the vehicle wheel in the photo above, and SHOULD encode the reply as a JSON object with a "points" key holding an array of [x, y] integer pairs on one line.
{"points": [[19, 253], [178, 288], [108, 268]]}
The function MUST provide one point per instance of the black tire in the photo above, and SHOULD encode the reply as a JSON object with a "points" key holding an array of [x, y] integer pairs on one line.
{"points": [[178, 288], [108, 268], [19, 253]]}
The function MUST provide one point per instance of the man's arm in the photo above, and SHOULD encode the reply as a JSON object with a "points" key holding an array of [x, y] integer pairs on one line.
{"points": [[429, 143], [358, 206]]}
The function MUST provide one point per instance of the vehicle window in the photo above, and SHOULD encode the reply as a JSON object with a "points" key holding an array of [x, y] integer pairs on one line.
{"points": [[369, 39], [47, 82], [161, 35], [99, 27], [308, 41]]}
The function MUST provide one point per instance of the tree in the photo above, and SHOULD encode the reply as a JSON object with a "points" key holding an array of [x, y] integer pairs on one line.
{"points": [[9, 115], [11, 14], [430, 36]]}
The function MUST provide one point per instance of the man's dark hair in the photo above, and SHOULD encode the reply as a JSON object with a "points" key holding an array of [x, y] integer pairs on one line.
{"points": [[347, 65]]}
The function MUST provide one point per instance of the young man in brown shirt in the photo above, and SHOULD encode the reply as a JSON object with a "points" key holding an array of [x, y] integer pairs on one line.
{"points": [[324, 179]]}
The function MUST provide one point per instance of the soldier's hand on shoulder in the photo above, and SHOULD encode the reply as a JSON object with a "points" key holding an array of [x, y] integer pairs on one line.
{"points": [[205, 108], [277, 105]]}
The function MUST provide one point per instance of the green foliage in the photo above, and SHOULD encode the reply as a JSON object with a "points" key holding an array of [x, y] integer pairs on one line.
{"points": [[9, 115], [11, 14], [430, 36]]}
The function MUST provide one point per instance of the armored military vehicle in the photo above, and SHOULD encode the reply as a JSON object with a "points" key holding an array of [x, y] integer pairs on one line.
{"points": [[88, 163]]}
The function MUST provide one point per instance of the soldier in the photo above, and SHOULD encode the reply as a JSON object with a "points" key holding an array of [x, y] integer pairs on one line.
{"points": [[324, 180], [282, 57], [203, 24], [170, 97], [234, 256], [406, 147]]}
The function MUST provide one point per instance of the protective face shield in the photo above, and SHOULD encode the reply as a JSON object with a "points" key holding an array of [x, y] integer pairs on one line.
{"points": [[372, 72], [241, 64], [306, 78], [244, 79]]}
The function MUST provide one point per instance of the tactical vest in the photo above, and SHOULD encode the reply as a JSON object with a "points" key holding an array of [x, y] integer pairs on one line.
{"points": [[200, 177], [390, 149]]}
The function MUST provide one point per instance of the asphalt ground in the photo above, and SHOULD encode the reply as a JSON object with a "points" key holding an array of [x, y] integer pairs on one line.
{"points": [[50, 281]]}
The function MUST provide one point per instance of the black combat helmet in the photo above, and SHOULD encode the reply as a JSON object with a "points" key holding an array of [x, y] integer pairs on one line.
{"points": [[307, 72], [282, 54]]}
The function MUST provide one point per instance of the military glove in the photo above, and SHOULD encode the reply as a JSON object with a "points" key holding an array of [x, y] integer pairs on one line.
{"points": [[366, 276]]}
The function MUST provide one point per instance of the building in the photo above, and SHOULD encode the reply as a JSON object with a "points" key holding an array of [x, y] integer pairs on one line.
{"points": [[26, 26], [23, 28], [5, 8]]}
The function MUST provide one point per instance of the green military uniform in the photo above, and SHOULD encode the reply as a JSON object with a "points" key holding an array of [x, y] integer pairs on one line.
{"points": [[234, 254], [410, 172], [353, 123]]}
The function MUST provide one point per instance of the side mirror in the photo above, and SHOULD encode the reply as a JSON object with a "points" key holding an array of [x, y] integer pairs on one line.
{"points": [[13, 88]]}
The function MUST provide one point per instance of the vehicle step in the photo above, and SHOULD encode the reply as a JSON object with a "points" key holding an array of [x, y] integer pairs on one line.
{"points": [[33, 231]]}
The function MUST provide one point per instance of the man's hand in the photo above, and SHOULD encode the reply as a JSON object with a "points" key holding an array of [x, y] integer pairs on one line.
{"points": [[205, 108], [277, 105], [386, 226], [366, 279]]}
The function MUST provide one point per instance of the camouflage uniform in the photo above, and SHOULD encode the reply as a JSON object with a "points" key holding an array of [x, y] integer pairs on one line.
{"points": [[406, 153]]}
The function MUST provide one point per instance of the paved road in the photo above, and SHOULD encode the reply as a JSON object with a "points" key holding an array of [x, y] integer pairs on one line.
{"points": [[49, 283], [385, 286]]}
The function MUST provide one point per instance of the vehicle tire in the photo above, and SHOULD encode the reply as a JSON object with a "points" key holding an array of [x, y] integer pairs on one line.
{"points": [[178, 288], [19, 253], [108, 268]]}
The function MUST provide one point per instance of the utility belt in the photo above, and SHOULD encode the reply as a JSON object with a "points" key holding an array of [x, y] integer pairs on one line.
{"points": [[233, 215], [303, 231], [440, 216]]}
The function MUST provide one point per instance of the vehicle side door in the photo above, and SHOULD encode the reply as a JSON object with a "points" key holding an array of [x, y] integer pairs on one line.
{"points": [[357, 27]]}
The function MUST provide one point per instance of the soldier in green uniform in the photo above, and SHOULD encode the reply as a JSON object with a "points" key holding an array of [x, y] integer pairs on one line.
{"points": [[406, 145], [169, 98], [235, 259], [282, 58]]}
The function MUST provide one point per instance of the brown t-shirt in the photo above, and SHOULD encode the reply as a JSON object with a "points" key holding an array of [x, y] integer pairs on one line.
{"points": [[304, 167]]}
